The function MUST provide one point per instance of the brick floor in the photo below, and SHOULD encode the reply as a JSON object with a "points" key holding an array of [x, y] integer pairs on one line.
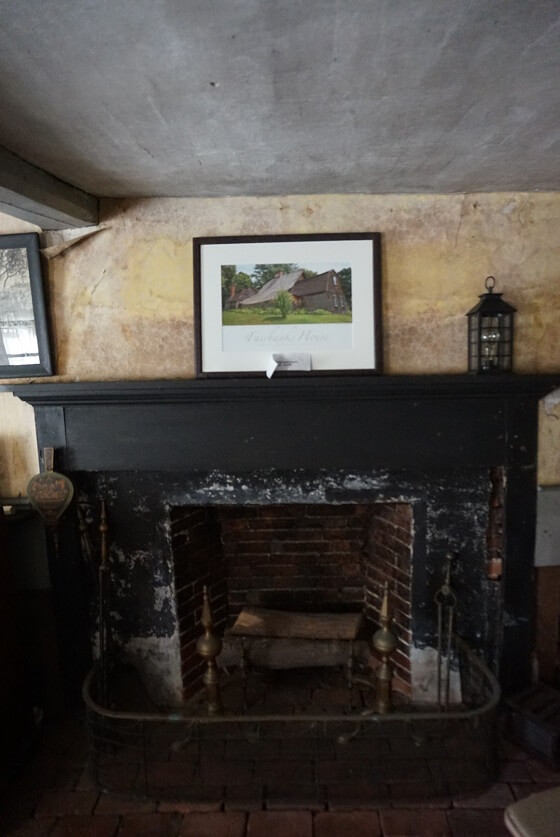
{"points": [[225, 772], [294, 796], [542, 773], [526, 789], [356, 824], [150, 825], [196, 800], [286, 771], [86, 827], [357, 795], [498, 796], [479, 823], [514, 771], [86, 781], [280, 824], [247, 797], [114, 803], [169, 774], [56, 794], [214, 825], [33, 828], [407, 823], [64, 803], [419, 795]]}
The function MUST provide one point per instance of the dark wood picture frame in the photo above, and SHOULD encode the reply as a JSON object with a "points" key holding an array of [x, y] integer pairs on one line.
{"points": [[24, 334], [237, 331]]}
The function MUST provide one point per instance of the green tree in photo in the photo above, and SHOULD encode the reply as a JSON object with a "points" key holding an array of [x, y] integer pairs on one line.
{"points": [[284, 303], [243, 280], [232, 279], [228, 274], [345, 276]]}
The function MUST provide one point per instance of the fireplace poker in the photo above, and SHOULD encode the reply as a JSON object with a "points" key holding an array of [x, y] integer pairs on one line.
{"points": [[446, 602], [103, 591], [85, 545]]}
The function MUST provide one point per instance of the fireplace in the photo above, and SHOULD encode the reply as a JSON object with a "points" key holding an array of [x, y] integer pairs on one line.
{"points": [[303, 558], [451, 460], [399, 518]]}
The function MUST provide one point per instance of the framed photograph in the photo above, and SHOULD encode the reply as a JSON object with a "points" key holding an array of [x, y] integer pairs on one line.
{"points": [[24, 338], [295, 304]]}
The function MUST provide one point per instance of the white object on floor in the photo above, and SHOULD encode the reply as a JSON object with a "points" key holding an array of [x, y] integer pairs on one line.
{"points": [[536, 816]]}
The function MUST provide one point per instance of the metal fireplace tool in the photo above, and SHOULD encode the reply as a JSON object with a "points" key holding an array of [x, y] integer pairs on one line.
{"points": [[446, 604], [50, 494]]}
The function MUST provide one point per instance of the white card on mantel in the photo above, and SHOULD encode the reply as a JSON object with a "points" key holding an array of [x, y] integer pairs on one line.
{"points": [[288, 363]]}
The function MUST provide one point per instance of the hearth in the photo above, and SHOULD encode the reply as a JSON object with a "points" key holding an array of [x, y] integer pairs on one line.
{"points": [[299, 742]]}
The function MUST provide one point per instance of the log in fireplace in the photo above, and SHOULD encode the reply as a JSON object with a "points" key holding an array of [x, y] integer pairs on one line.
{"points": [[454, 454]]}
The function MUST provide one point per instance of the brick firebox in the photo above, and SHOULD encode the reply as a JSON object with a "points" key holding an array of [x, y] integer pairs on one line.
{"points": [[306, 557]]}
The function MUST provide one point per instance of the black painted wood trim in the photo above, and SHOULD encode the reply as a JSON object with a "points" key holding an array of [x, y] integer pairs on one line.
{"points": [[329, 389]]}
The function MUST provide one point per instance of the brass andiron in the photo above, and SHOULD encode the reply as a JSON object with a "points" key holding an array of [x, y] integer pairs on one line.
{"points": [[384, 641], [209, 646]]}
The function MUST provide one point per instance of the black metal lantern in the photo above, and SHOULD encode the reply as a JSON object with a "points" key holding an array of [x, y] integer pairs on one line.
{"points": [[491, 333]]}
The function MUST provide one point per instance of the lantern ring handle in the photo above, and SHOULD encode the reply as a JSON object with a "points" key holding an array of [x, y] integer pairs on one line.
{"points": [[487, 285]]}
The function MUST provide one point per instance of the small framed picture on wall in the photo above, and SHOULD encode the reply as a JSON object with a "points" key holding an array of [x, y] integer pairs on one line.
{"points": [[24, 336]]}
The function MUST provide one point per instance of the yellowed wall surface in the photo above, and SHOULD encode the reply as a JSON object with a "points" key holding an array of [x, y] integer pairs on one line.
{"points": [[18, 448], [122, 308]]}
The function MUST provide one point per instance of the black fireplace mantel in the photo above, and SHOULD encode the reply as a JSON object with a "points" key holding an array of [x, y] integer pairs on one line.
{"points": [[427, 431], [319, 388], [239, 425]]}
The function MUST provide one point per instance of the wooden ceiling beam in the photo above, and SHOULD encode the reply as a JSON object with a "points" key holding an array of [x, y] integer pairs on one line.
{"points": [[31, 194]]}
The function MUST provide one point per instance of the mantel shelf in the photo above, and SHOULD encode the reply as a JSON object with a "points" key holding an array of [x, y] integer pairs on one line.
{"points": [[300, 389]]}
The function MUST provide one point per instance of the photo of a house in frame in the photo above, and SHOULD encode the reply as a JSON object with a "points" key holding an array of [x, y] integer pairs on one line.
{"points": [[317, 296], [293, 294]]}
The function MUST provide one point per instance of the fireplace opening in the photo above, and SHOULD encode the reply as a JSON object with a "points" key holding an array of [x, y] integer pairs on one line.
{"points": [[301, 558]]}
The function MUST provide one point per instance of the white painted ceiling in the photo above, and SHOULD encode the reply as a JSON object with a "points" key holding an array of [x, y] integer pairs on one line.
{"points": [[257, 97]]}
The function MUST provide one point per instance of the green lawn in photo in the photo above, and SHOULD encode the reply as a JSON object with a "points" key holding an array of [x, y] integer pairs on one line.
{"points": [[273, 317]]}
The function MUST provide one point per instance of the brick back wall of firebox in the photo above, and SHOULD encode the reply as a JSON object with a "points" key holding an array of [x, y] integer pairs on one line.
{"points": [[299, 557]]}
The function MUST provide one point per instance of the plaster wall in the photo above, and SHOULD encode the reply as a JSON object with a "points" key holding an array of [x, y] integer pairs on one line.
{"points": [[121, 302]]}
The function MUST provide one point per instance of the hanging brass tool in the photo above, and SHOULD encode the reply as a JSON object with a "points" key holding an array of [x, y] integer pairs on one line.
{"points": [[446, 602], [50, 494]]}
